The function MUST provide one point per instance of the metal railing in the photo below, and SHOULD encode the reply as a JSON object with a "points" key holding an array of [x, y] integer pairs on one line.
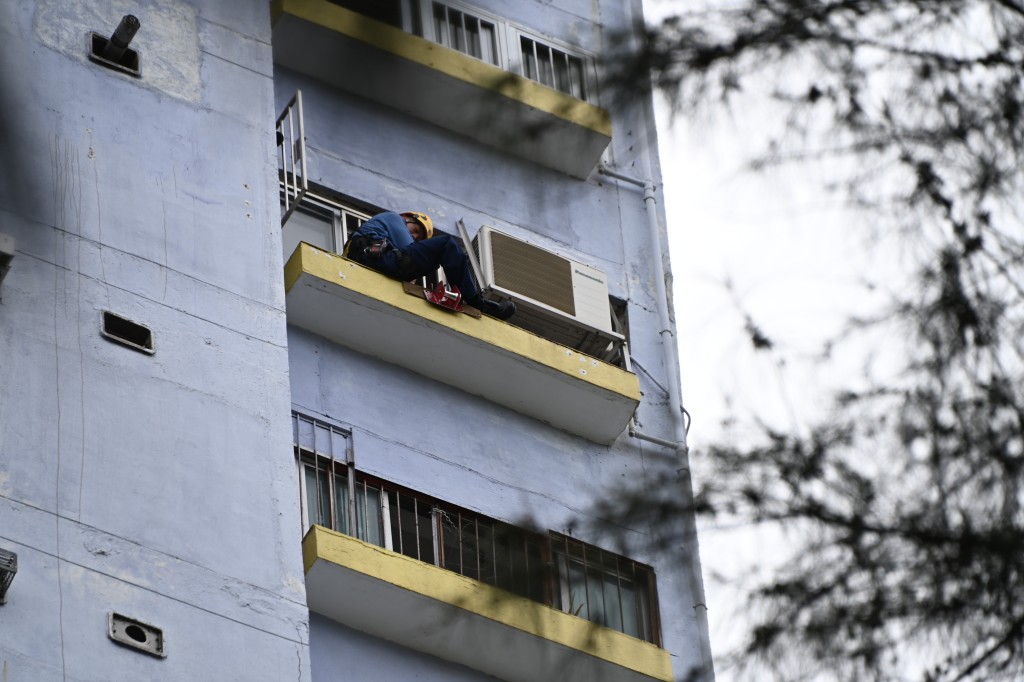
{"points": [[291, 155], [551, 568]]}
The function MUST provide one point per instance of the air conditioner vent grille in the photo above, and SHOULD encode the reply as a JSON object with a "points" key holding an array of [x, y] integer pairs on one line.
{"points": [[533, 272]]}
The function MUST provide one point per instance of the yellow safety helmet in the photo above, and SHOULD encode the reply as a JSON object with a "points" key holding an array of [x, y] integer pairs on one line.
{"points": [[424, 220]]}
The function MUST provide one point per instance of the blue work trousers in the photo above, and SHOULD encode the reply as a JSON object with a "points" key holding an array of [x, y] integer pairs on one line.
{"points": [[422, 258]]}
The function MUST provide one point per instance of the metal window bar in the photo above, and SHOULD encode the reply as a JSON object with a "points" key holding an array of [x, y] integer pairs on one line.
{"points": [[605, 588], [465, 33], [587, 581], [553, 68], [291, 146], [324, 501]]}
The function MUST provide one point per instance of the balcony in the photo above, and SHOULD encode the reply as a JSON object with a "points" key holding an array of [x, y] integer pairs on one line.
{"points": [[458, 619], [361, 309], [438, 84]]}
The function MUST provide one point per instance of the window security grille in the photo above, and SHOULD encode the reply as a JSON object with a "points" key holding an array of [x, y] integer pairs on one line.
{"points": [[466, 33], [603, 587], [553, 569], [553, 68]]}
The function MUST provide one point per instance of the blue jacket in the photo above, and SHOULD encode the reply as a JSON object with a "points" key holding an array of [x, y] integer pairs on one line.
{"points": [[390, 226]]}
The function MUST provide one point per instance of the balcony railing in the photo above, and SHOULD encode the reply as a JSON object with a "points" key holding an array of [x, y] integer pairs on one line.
{"points": [[553, 569]]}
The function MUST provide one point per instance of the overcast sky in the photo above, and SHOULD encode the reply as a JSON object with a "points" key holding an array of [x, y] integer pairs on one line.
{"points": [[773, 247]]}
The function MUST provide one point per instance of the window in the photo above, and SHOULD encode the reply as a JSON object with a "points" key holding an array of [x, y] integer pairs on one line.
{"points": [[321, 222], [553, 68], [505, 45], [552, 569], [603, 587], [466, 33]]}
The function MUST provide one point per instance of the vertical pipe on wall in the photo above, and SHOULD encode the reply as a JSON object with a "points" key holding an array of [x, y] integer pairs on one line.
{"points": [[671, 363]]}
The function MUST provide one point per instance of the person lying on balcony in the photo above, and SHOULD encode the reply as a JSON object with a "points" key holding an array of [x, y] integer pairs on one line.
{"points": [[403, 246]]}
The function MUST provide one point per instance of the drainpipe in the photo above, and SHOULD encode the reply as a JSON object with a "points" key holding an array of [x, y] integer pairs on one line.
{"points": [[679, 446], [668, 346]]}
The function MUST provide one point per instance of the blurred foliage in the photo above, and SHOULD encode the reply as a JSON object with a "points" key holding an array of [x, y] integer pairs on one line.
{"points": [[902, 510]]}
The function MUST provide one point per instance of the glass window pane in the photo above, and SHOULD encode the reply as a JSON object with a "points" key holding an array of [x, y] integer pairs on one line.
{"points": [[577, 591], [576, 81], [352, 223], [544, 66], [529, 61], [368, 515], [451, 556], [317, 496], [612, 604], [488, 43], [473, 37], [305, 227], [441, 25], [487, 550], [562, 74], [630, 617], [470, 549], [341, 505], [459, 34], [595, 597]]}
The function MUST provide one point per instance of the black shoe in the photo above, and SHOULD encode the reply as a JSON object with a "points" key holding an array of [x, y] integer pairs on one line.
{"points": [[502, 310]]}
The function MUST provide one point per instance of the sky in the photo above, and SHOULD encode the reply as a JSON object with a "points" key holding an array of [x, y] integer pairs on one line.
{"points": [[773, 248], [770, 247]]}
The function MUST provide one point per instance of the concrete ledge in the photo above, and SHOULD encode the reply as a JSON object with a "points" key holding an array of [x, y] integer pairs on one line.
{"points": [[444, 614], [361, 309], [441, 85]]}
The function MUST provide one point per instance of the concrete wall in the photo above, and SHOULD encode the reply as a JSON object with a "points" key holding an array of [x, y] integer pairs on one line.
{"points": [[445, 443], [160, 487]]}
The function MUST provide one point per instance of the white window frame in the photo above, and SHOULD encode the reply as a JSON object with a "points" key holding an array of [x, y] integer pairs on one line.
{"points": [[508, 38], [588, 61], [330, 211], [307, 459], [426, 13]]}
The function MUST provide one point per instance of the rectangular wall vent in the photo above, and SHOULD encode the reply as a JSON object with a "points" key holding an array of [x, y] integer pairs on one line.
{"points": [[6, 254], [8, 567], [132, 334], [136, 634]]}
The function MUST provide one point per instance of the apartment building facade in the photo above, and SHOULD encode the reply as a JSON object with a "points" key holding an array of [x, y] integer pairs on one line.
{"points": [[229, 452]]}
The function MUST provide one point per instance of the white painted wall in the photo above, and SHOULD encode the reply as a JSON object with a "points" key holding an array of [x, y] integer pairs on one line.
{"points": [[160, 487]]}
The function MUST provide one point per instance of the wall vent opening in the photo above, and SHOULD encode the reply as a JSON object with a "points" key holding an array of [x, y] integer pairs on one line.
{"points": [[124, 331], [6, 254], [136, 634], [113, 52], [8, 567]]}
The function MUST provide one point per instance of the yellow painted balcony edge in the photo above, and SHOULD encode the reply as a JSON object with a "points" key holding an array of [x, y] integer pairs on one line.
{"points": [[343, 272], [447, 61], [484, 600]]}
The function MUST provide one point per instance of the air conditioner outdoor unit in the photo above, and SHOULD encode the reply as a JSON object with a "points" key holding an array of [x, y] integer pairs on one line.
{"points": [[544, 283]]}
